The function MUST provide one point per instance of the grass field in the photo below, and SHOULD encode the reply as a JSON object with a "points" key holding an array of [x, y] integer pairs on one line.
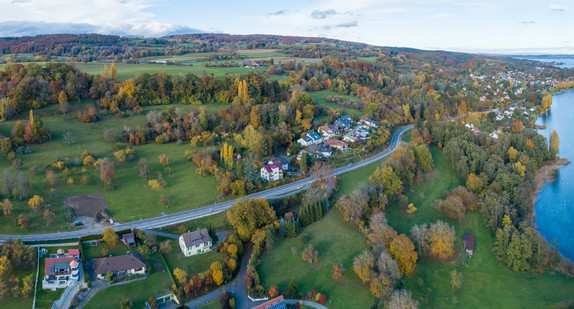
{"points": [[212, 305], [91, 252], [20, 302], [217, 221], [486, 282], [127, 71], [319, 97], [186, 188], [336, 243], [156, 284], [45, 298]]}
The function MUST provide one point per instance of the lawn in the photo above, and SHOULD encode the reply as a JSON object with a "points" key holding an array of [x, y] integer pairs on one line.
{"points": [[127, 71], [319, 97], [20, 302], [156, 284], [193, 264], [217, 221], [486, 282], [92, 252], [336, 243], [212, 305], [186, 188], [45, 298]]}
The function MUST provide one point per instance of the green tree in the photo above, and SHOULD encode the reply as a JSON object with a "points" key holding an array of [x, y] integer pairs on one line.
{"points": [[293, 289], [247, 215], [387, 179], [514, 254]]}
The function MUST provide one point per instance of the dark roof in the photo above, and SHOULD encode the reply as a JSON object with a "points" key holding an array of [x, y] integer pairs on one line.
{"points": [[275, 303], [196, 237], [468, 240], [129, 238], [118, 263], [57, 263]]}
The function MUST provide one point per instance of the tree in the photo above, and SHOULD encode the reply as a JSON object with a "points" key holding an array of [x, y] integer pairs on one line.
{"points": [[68, 138], [293, 289], [419, 234], [381, 286], [64, 107], [5, 265], [514, 254], [126, 303], [310, 254], [6, 208], [23, 222], [380, 233], [354, 206], [48, 216], [402, 299], [411, 209], [36, 202], [273, 291], [164, 160], [113, 72], [554, 144], [321, 170], [305, 162], [474, 183], [218, 276], [441, 238], [455, 279], [247, 215], [3, 289], [403, 251], [165, 246], [386, 264], [110, 237], [27, 286], [387, 179], [143, 168], [363, 266], [180, 275], [338, 271], [107, 171]]}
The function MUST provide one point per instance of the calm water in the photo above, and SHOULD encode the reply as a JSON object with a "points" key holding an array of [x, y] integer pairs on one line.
{"points": [[565, 62], [555, 205]]}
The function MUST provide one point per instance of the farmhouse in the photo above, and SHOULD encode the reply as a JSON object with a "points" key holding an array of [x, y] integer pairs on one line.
{"points": [[60, 272], [272, 172], [118, 265], [196, 242], [468, 241]]}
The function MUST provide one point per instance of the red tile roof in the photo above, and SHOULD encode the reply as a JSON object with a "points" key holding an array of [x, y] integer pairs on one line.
{"points": [[50, 262], [271, 303], [336, 143], [74, 252]]}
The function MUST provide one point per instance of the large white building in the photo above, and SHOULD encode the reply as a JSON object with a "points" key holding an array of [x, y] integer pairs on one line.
{"points": [[272, 172], [60, 272], [196, 242]]}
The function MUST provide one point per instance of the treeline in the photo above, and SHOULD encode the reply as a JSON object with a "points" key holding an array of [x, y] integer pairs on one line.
{"points": [[15, 259], [499, 182]]}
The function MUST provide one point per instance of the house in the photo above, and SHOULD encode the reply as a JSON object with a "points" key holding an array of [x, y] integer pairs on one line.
{"points": [[468, 241], [128, 239], [305, 141], [118, 265], [469, 125], [369, 122], [272, 172], [493, 135], [342, 124], [276, 303], [348, 119], [317, 139], [60, 272], [196, 242], [283, 161], [320, 151], [499, 117], [350, 138], [337, 144], [329, 131]]}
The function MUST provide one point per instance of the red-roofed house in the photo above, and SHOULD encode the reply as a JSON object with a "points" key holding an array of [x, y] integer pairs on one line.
{"points": [[60, 272], [468, 241], [275, 303], [337, 144], [74, 253], [272, 172]]}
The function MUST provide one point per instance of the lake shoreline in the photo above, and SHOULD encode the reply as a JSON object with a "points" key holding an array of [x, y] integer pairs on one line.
{"points": [[547, 174]]}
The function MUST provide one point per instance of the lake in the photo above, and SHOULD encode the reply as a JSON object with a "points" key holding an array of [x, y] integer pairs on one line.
{"points": [[555, 205], [564, 62]]}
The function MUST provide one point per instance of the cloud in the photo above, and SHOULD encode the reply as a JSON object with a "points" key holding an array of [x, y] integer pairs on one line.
{"points": [[557, 8], [349, 24], [152, 29], [21, 1], [280, 12], [528, 22], [317, 14]]}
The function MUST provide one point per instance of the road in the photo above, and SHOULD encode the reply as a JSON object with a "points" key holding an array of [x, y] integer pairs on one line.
{"points": [[176, 218]]}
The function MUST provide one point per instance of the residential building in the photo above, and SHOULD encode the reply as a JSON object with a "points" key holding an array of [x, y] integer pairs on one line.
{"points": [[320, 151], [272, 172], [283, 161], [329, 131], [342, 124], [128, 239], [337, 144], [119, 265], [275, 303], [60, 272], [369, 122], [305, 141], [317, 139], [196, 242]]}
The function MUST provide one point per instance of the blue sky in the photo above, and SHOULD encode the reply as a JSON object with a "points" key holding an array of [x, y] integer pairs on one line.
{"points": [[477, 26]]}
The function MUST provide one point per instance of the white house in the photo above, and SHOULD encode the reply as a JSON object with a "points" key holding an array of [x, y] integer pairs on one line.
{"points": [[60, 272], [320, 151], [305, 141], [329, 131], [369, 122], [493, 135], [196, 242], [129, 264], [272, 172], [337, 144]]}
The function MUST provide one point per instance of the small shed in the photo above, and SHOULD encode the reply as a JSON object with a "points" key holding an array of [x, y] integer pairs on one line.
{"points": [[129, 239], [468, 241]]}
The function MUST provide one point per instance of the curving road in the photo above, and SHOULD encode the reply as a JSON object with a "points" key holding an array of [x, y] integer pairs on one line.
{"points": [[176, 218]]}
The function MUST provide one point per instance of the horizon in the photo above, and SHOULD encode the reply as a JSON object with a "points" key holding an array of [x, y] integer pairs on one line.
{"points": [[489, 27]]}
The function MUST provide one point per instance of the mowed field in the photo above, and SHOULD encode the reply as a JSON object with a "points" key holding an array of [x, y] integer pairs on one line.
{"points": [[127, 71], [131, 198]]}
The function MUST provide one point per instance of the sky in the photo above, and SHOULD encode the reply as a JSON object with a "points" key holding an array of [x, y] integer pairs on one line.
{"points": [[489, 26]]}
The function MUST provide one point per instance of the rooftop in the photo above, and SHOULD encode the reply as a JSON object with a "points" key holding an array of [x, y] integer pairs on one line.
{"points": [[196, 237], [117, 263]]}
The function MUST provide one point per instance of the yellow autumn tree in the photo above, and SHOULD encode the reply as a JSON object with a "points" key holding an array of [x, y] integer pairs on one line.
{"points": [[114, 72], [403, 251], [36, 202], [180, 275], [441, 237], [411, 209], [554, 144], [164, 160]]}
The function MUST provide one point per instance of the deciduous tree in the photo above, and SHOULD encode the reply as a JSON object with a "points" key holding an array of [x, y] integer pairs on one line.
{"points": [[363, 266], [441, 238], [247, 215], [110, 237], [403, 251]]}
